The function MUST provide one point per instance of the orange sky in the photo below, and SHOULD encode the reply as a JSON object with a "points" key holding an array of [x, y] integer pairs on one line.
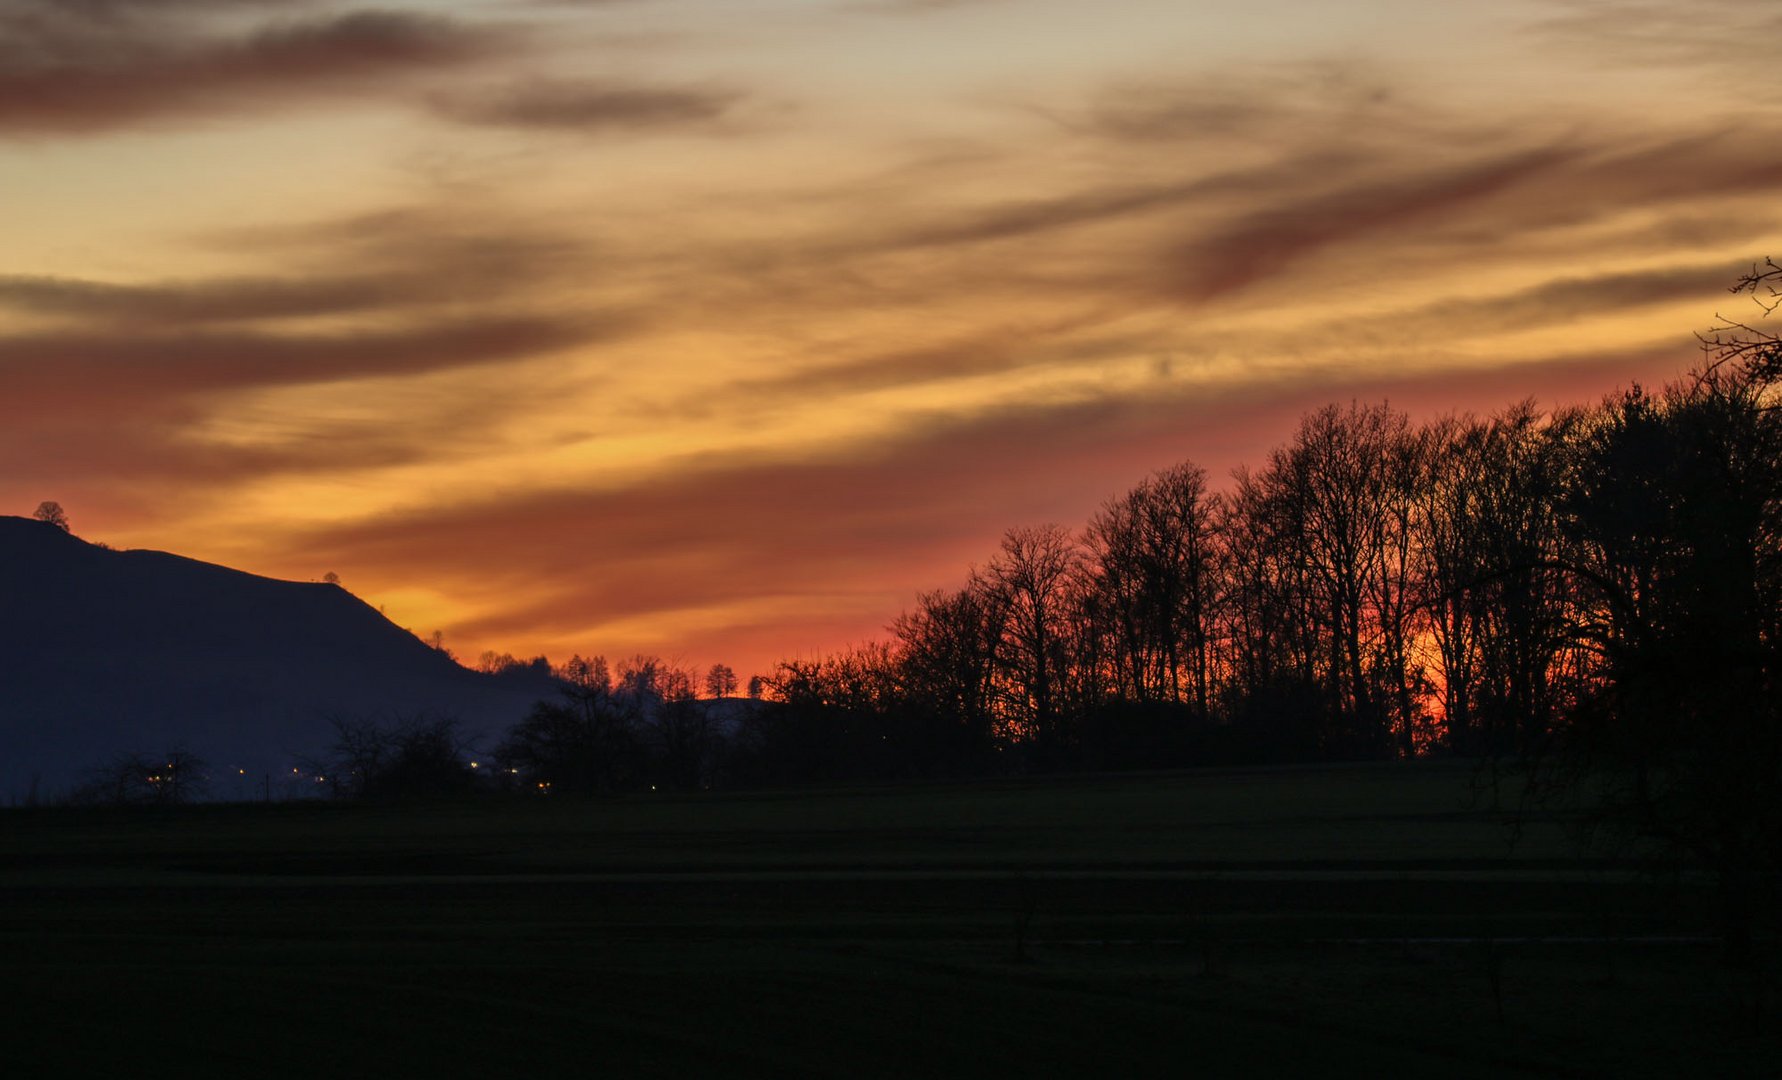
{"points": [[720, 328]]}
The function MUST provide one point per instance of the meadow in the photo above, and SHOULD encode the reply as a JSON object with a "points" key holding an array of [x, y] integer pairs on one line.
{"points": [[1347, 919]]}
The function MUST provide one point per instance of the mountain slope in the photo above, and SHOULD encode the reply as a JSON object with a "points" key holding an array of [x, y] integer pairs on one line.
{"points": [[104, 652]]}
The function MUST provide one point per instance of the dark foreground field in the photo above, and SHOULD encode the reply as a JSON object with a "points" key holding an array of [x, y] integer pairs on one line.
{"points": [[1334, 921]]}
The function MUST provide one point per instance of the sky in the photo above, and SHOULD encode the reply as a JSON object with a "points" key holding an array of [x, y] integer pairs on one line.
{"points": [[720, 329]]}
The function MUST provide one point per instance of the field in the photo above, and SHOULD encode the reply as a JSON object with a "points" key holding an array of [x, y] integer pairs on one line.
{"points": [[1348, 920]]}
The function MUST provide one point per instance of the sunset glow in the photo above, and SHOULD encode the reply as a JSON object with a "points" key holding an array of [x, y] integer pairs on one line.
{"points": [[718, 330]]}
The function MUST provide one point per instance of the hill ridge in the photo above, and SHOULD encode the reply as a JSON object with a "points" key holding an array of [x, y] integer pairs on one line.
{"points": [[104, 652]]}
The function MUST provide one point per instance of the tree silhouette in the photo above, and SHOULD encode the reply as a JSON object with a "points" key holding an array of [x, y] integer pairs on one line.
{"points": [[1151, 556], [415, 757], [1674, 503], [947, 650], [720, 681], [174, 778], [585, 741], [1033, 577], [52, 513]]}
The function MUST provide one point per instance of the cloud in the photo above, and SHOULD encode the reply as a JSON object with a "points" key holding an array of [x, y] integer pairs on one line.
{"points": [[1259, 104], [1269, 243], [1060, 341], [582, 105], [393, 271], [116, 66], [380, 263], [830, 548], [1229, 231], [1565, 299], [1263, 242], [105, 382], [68, 369], [1702, 33], [467, 247], [226, 300]]}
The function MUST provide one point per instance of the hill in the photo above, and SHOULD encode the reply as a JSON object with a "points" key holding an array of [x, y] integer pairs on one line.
{"points": [[104, 652]]}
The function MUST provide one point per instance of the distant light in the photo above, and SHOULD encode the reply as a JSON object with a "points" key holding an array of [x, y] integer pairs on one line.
{"points": [[473, 764], [242, 772]]}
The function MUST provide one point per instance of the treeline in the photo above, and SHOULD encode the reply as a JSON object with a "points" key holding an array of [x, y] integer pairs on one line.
{"points": [[1603, 581], [1375, 588], [1593, 595], [1596, 583]]}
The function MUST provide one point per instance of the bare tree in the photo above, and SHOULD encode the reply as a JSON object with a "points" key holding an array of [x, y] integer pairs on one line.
{"points": [[174, 778], [499, 663], [1152, 563], [1320, 578], [1033, 576], [947, 650], [436, 642], [681, 729], [1496, 606], [1754, 350], [411, 757]]}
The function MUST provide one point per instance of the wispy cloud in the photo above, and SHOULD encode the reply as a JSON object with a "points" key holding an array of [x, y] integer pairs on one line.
{"points": [[701, 554], [584, 105], [64, 370], [1702, 33], [1267, 240], [619, 388], [227, 300], [102, 66]]}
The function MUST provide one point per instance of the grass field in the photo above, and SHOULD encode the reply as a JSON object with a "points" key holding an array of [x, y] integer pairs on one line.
{"points": [[1349, 920]]}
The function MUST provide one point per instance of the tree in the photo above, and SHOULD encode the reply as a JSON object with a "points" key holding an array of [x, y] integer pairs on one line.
{"points": [[720, 681], [52, 513], [680, 729], [414, 757], [1497, 608], [613, 730], [1152, 559], [174, 778], [1033, 577], [947, 651], [1673, 505], [1321, 580], [1272, 639], [586, 741], [1754, 351], [834, 718], [436, 642], [498, 663]]}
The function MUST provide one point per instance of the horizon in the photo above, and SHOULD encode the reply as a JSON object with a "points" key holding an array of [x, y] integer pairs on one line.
{"points": [[720, 331]]}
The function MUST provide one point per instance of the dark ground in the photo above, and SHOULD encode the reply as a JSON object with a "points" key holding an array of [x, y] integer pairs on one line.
{"points": [[1343, 920]]}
